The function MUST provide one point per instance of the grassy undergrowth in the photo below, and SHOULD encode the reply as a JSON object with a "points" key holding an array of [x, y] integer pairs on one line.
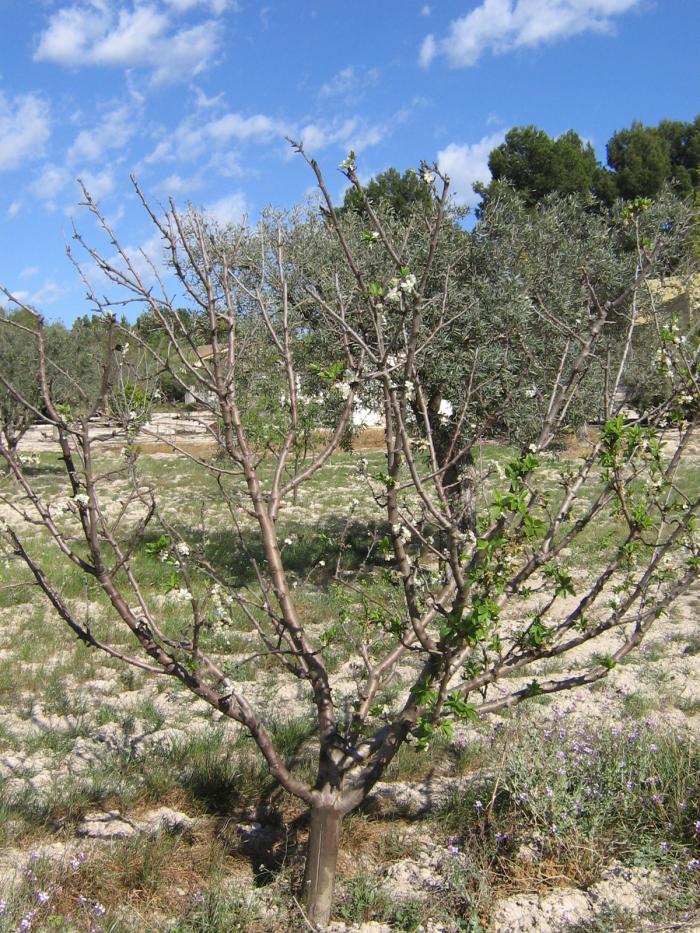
{"points": [[547, 807], [553, 805]]}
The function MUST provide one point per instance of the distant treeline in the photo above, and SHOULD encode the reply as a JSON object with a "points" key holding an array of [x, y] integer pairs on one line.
{"points": [[640, 161]]}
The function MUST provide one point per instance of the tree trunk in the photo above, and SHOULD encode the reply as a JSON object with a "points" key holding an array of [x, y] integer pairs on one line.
{"points": [[460, 486], [321, 861]]}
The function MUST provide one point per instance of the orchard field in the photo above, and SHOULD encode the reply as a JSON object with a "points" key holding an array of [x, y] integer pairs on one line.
{"points": [[127, 804]]}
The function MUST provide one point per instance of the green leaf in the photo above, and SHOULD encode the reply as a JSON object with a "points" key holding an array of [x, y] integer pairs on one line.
{"points": [[460, 709], [153, 548], [563, 584]]}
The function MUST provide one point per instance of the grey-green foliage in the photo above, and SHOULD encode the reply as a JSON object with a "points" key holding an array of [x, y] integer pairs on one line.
{"points": [[17, 366], [20, 397], [73, 364], [522, 285], [535, 276]]}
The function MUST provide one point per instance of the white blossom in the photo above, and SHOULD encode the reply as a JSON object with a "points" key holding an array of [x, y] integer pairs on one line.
{"points": [[180, 595], [182, 549], [427, 176], [82, 499], [344, 389], [348, 162], [393, 295], [408, 284], [401, 532], [530, 392]]}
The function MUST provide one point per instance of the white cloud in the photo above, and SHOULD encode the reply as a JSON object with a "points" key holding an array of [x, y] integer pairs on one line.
{"points": [[466, 165], [98, 184], [49, 293], [187, 53], [208, 103], [131, 38], [230, 209], [176, 185], [216, 6], [161, 153], [426, 10], [143, 35], [24, 129], [113, 131], [502, 25], [68, 36], [352, 133], [428, 51], [52, 180], [349, 82], [29, 272], [340, 83], [146, 259], [234, 126]]}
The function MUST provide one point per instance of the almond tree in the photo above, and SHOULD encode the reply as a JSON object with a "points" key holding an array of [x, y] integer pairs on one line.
{"points": [[474, 601]]}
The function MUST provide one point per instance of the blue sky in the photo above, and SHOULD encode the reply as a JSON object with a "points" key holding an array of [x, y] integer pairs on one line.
{"points": [[196, 97]]}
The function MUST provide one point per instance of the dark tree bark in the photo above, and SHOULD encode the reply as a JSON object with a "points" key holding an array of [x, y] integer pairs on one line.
{"points": [[321, 863]]}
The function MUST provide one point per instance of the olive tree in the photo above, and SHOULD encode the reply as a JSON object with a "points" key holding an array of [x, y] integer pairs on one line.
{"points": [[475, 604], [517, 286]]}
